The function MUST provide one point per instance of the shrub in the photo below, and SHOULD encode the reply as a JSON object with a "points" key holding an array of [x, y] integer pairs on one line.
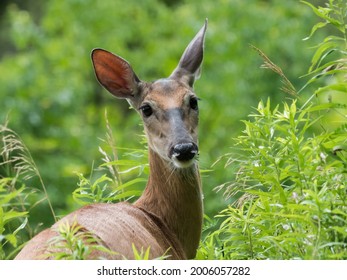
{"points": [[292, 164]]}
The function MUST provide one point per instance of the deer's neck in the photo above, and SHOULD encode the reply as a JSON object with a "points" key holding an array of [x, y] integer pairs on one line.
{"points": [[175, 196]]}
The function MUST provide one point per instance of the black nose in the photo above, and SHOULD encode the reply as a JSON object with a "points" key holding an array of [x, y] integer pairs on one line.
{"points": [[184, 151]]}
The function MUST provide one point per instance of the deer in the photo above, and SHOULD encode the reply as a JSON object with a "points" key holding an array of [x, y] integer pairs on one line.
{"points": [[167, 218]]}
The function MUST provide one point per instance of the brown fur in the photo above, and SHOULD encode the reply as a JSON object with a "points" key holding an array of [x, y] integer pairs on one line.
{"points": [[167, 218], [118, 226], [175, 196]]}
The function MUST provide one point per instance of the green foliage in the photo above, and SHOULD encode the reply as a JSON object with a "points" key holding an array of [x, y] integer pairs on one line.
{"points": [[144, 254], [106, 189], [107, 185], [291, 178], [73, 242], [290, 161], [8, 199], [141, 255], [17, 166], [48, 89], [294, 198]]}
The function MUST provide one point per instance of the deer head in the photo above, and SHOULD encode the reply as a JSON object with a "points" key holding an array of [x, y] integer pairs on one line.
{"points": [[168, 107]]}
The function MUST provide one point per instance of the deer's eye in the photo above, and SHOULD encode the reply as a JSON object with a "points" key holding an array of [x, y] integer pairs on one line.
{"points": [[193, 103], [146, 110]]}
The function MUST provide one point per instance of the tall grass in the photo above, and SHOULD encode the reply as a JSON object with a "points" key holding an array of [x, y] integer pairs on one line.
{"points": [[16, 166]]}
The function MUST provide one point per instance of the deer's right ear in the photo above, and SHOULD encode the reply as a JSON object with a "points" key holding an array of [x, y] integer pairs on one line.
{"points": [[115, 74]]}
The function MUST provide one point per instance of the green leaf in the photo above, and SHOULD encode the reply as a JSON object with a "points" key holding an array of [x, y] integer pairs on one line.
{"points": [[326, 106], [324, 14], [131, 182], [5, 198], [140, 255], [315, 28], [322, 51], [341, 87], [12, 214]]}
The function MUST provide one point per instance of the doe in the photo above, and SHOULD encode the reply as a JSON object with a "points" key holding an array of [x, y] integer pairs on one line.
{"points": [[167, 218]]}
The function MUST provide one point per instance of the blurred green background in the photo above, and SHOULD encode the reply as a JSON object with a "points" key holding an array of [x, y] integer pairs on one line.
{"points": [[50, 96]]}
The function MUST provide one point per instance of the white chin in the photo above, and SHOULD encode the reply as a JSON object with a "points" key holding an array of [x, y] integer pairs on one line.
{"points": [[182, 164]]}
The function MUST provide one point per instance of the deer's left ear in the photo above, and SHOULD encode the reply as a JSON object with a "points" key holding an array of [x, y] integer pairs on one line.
{"points": [[115, 74], [189, 66]]}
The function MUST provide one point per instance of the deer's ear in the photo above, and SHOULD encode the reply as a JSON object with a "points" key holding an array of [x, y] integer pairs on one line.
{"points": [[189, 66], [115, 74]]}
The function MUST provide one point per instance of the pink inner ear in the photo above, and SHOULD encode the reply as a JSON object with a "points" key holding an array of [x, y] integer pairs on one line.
{"points": [[114, 73]]}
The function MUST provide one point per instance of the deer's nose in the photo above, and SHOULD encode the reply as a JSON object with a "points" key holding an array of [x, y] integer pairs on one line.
{"points": [[184, 151]]}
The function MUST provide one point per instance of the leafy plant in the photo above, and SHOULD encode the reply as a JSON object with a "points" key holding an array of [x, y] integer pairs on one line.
{"points": [[294, 185], [329, 62], [74, 242], [141, 255], [8, 234], [15, 162], [291, 181], [108, 186]]}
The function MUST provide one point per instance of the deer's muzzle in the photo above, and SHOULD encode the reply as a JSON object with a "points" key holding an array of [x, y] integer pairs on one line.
{"points": [[183, 154]]}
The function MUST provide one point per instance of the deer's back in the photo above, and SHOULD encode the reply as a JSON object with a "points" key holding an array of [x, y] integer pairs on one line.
{"points": [[117, 227]]}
